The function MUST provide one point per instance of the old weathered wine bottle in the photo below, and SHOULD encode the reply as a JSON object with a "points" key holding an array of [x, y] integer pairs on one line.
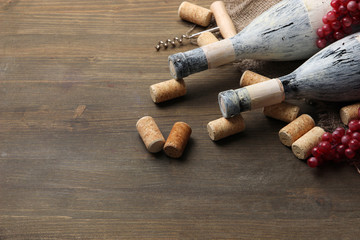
{"points": [[287, 31], [333, 74]]}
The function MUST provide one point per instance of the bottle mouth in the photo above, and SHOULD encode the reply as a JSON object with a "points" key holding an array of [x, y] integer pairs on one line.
{"points": [[178, 66], [172, 69], [229, 103]]}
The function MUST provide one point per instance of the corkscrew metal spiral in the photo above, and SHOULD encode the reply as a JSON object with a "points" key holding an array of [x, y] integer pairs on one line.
{"points": [[180, 40]]}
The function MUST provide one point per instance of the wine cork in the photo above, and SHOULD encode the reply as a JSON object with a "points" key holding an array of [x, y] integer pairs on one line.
{"points": [[167, 90], [177, 140], [302, 147], [206, 38], [225, 127], [195, 14], [223, 20], [150, 134], [284, 111], [349, 113], [297, 128], [249, 78]]}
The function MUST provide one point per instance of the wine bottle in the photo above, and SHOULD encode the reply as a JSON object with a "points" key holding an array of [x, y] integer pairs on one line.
{"points": [[286, 31], [332, 75]]}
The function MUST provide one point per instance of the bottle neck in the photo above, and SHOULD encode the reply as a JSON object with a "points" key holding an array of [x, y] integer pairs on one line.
{"points": [[263, 94], [266, 93], [290, 89], [219, 53]]}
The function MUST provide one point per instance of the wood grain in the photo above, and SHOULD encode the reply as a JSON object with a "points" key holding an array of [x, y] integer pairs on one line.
{"points": [[90, 177]]}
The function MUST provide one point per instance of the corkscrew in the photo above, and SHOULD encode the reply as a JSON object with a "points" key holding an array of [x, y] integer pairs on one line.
{"points": [[181, 39]]}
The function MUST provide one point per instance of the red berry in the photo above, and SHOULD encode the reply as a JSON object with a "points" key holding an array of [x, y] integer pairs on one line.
{"points": [[342, 10], [321, 43], [331, 16], [356, 135], [327, 29], [340, 130], [326, 137], [356, 13], [354, 144], [330, 155], [313, 162], [354, 125], [349, 132], [336, 25], [320, 33], [347, 30], [325, 20], [324, 147], [338, 14], [330, 38], [316, 152], [345, 140], [349, 153], [341, 149], [344, 2], [356, 20], [335, 4], [346, 21], [339, 35], [359, 6], [336, 136], [352, 6]]}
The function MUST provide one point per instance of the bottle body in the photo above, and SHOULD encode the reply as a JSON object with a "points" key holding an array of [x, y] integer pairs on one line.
{"points": [[332, 75], [287, 31], [283, 33]]}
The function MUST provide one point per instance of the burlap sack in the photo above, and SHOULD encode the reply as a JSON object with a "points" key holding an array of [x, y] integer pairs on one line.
{"points": [[242, 12]]}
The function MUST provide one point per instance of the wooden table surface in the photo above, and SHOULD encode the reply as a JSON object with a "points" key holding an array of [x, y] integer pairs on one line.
{"points": [[72, 174]]}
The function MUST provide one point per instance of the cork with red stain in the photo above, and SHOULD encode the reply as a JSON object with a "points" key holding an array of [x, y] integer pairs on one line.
{"points": [[177, 140]]}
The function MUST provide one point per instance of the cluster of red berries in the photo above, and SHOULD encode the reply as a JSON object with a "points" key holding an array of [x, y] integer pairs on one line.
{"points": [[337, 146], [337, 22]]}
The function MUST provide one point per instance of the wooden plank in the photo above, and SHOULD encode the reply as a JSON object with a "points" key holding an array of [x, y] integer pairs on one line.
{"points": [[66, 175]]}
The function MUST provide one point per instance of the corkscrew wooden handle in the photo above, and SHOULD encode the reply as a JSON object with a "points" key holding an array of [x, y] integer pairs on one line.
{"points": [[223, 19]]}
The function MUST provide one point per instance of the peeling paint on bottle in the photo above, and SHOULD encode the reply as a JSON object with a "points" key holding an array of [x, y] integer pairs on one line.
{"points": [[285, 32], [332, 75]]}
